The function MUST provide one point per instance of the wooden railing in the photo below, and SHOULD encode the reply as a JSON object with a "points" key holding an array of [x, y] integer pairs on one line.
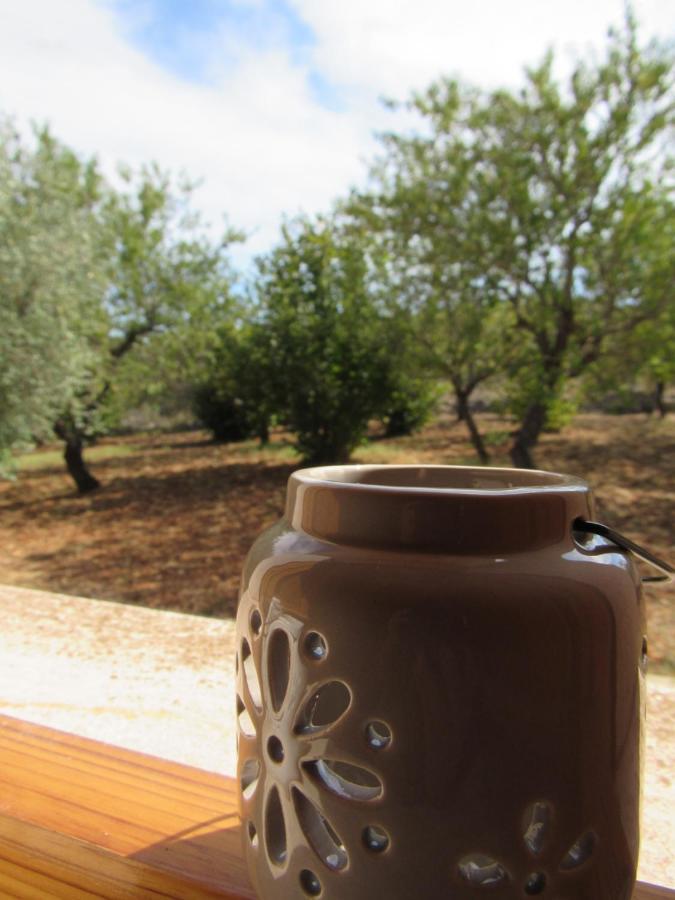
{"points": [[80, 819]]}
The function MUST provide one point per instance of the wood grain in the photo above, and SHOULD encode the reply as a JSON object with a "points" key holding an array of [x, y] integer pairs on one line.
{"points": [[83, 819], [80, 819]]}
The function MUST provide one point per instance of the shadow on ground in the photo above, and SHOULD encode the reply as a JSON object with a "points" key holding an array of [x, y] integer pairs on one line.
{"points": [[207, 857], [175, 517]]}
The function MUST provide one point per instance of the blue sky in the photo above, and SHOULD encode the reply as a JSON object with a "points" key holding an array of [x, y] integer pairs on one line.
{"points": [[174, 32], [179, 36], [272, 104]]}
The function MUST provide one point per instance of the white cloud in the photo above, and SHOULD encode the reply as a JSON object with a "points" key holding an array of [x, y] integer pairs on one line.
{"points": [[259, 139], [257, 133], [391, 46]]}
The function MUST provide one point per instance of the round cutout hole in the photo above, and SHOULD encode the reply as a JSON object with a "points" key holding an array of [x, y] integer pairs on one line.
{"points": [[378, 735], [310, 883], [375, 838], [275, 749], [535, 884], [315, 646], [256, 622]]}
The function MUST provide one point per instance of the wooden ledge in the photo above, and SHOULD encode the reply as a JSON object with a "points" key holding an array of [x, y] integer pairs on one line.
{"points": [[80, 819]]}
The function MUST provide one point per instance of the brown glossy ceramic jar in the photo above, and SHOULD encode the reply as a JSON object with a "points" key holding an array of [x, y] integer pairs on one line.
{"points": [[439, 691]]}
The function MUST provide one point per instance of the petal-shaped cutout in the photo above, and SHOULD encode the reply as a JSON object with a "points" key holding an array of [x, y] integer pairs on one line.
{"points": [[275, 829], [251, 675], [249, 777], [537, 826], [482, 870], [319, 833], [345, 780], [326, 705], [278, 666], [246, 725], [580, 852]]}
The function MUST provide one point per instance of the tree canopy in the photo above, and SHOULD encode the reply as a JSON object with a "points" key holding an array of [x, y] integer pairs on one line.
{"points": [[89, 273], [540, 216], [52, 279], [168, 285], [328, 353]]}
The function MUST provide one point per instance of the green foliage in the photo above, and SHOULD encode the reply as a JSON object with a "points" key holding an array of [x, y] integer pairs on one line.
{"points": [[413, 401], [223, 415], [535, 220], [637, 368], [234, 401], [106, 296], [560, 413], [48, 459], [326, 336], [410, 396], [52, 278], [497, 437], [169, 289], [422, 212]]}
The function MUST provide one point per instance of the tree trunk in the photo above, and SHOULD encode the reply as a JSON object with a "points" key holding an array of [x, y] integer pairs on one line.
{"points": [[464, 414], [397, 425], [77, 467], [528, 435], [660, 398], [72, 454]]}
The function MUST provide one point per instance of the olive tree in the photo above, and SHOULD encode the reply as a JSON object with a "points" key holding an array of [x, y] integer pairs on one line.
{"points": [[52, 279], [104, 292], [168, 284]]}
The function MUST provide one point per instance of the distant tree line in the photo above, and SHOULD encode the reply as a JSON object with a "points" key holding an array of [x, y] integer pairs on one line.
{"points": [[518, 238]]}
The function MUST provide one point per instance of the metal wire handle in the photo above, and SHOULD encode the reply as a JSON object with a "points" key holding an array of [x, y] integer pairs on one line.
{"points": [[666, 570]]}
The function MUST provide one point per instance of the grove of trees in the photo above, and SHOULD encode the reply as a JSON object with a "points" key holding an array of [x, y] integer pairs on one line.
{"points": [[516, 240], [104, 293]]}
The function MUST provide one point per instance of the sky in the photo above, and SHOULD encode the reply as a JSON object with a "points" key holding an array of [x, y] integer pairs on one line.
{"points": [[272, 105]]}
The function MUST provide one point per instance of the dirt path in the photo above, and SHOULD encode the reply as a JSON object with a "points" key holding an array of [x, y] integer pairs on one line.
{"points": [[176, 515]]}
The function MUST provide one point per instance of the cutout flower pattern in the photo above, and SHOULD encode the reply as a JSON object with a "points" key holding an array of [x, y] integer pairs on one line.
{"points": [[483, 871], [290, 765]]}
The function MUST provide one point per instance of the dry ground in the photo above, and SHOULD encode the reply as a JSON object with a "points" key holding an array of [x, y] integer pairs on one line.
{"points": [[176, 513]]}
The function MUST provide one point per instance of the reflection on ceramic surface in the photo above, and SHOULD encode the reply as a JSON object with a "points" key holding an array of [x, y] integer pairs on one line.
{"points": [[438, 688]]}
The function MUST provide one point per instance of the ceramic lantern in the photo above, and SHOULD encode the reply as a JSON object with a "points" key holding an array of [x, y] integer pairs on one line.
{"points": [[440, 684]]}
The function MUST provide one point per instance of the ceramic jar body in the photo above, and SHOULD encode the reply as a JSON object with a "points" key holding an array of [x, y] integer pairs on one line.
{"points": [[460, 724]]}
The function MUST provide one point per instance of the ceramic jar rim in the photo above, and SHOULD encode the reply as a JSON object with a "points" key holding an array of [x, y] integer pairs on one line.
{"points": [[417, 507], [490, 481]]}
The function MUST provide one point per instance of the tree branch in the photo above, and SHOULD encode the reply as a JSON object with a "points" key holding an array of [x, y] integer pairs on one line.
{"points": [[131, 337]]}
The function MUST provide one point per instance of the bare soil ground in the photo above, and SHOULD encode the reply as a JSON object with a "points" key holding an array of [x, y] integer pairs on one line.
{"points": [[176, 514]]}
